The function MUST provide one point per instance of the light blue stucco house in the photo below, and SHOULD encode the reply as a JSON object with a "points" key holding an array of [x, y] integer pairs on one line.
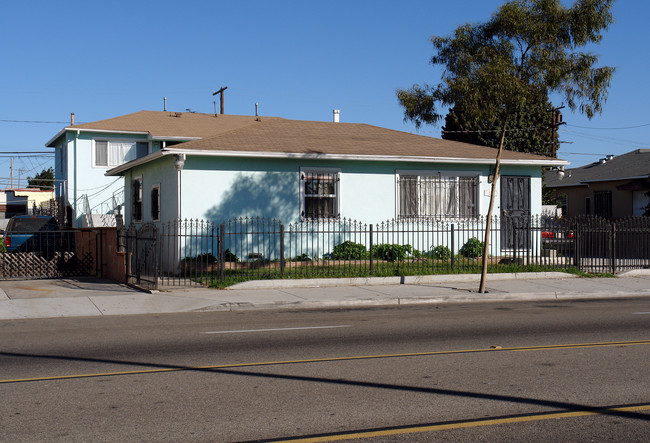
{"points": [[219, 167]]}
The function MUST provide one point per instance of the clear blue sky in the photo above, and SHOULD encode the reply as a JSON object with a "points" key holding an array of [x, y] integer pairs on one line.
{"points": [[297, 59]]}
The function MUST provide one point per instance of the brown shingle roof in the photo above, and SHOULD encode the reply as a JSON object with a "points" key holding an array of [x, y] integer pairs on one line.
{"points": [[309, 137], [167, 124], [278, 135]]}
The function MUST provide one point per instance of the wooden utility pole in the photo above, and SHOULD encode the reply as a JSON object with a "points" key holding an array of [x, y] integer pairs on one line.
{"points": [[220, 91], [556, 117]]}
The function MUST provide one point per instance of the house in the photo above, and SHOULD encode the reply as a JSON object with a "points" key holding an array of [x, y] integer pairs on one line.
{"points": [[294, 170], [613, 187], [219, 167], [84, 152], [20, 202]]}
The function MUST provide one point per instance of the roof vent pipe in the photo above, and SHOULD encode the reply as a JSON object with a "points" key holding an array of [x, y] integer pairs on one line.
{"points": [[336, 113], [610, 157], [164, 104], [257, 108]]}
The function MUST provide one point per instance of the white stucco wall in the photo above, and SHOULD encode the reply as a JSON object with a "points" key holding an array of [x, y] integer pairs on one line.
{"points": [[76, 175], [219, 189]]}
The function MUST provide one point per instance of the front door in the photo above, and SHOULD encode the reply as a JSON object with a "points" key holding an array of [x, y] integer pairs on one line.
{"points": [[515, 212]]}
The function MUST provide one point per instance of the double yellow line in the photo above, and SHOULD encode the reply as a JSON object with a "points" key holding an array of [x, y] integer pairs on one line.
{"points": [[316, 360]]}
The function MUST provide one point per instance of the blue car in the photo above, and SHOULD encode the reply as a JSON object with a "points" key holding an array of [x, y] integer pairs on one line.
{"points": [[33, 233]]}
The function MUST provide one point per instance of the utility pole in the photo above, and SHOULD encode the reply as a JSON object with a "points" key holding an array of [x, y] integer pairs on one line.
{"points": [[556, 116], [220, 91], [12, 173]]}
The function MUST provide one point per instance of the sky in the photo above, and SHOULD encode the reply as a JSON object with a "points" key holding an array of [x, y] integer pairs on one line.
{"points": [[297, 59]]}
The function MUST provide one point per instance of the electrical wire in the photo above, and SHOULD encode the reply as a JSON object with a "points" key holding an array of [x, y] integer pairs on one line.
{"points": [[610, 129]]}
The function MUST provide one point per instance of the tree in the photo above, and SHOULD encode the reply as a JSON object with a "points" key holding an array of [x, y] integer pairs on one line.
{"points": [[530, 129], [524, 53], [42, 180]]}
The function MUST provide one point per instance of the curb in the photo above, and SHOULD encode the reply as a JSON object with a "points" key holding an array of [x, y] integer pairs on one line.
{"points": [[408, 280]]}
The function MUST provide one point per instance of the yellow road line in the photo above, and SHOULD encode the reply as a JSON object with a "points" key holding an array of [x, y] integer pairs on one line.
{"points": [[327, 359], [467, 424]]}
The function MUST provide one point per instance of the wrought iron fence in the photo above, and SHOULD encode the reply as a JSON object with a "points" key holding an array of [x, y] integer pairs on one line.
{"points": [[203, 252]]}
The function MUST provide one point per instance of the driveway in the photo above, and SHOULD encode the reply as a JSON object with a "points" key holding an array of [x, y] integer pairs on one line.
{"points": [[64, 287]]}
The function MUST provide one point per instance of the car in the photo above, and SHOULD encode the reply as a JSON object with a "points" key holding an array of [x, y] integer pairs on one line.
{"points": [[33, 233]]}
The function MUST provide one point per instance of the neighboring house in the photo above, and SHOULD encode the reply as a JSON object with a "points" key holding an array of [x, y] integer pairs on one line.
{"points": [[613, 187], [21, 202]]}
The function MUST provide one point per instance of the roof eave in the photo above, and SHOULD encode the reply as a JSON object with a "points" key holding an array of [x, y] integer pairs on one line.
{"points": [[319, 156]]}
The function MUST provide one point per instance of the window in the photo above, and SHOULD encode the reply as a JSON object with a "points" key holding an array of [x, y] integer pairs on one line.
{"points": [[562, 202], [319, 191], [603, 203], [436, 195], [137, 199], [114, 153], [155, 203]]}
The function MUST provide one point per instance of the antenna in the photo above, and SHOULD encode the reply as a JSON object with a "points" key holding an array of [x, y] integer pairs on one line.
{"points": [[220, 91]]}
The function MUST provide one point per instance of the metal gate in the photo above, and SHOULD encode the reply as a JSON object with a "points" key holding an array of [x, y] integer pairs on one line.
{"points": [[515, 213], [142, 256]]}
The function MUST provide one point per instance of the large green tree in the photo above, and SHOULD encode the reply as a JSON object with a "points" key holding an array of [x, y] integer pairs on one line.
{"points": [[530, 129], [528, 50], [42, 180]]}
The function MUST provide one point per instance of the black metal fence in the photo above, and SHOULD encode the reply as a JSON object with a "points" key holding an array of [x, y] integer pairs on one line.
{"points": [[203, 252]]}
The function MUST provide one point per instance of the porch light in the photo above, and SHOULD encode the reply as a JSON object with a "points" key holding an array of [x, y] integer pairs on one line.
{"points": [[180, 162]]}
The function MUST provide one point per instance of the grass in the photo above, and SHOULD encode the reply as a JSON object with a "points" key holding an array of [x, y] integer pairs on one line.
{"points": [[380, 269]]}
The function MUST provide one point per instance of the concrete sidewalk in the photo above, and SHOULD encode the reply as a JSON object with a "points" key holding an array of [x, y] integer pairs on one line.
{"points": [[92, 297]]}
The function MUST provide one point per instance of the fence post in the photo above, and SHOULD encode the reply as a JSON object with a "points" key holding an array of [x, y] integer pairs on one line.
{"points": [[371, 248], [281, 250], [222, 254], [453, 246], [613, 247]]}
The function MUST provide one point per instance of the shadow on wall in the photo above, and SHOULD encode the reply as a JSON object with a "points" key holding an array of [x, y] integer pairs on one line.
{"points": [[268, 194]]}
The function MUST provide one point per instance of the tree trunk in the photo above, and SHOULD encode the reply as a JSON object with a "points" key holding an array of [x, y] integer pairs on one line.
{"points": [[488, 222]]}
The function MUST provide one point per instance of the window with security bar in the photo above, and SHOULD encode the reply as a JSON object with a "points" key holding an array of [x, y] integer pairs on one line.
{"points": [[437, 196], [603, 203], [137, 199], [320, 194]]}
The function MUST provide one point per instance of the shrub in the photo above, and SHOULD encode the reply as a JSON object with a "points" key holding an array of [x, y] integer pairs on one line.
{"points": [[229, 256], [473, 248], [302, 257], [393, 252], [2, 245], [349, 250], [440, 252], [201, 258]]}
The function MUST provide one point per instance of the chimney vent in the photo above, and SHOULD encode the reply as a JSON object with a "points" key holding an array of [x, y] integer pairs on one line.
{"points": [[337, 114], [72, 119]]}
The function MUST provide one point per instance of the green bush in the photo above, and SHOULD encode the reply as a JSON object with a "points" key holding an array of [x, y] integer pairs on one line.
{"points": [[229, 256], [201, 258], [473, 248], [440, 252], [349, 250], [302, 257], [393, 252], [2, 245]]}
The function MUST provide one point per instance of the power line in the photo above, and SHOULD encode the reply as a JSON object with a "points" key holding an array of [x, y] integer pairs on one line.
{"points": [[610, 129], [33, 121]]}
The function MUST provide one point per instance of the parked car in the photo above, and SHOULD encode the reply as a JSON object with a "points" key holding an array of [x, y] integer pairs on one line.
{"points": [[33, 233]]}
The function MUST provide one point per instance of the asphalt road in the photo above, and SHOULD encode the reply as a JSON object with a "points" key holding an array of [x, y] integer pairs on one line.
{"points": [[569, 371]]}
